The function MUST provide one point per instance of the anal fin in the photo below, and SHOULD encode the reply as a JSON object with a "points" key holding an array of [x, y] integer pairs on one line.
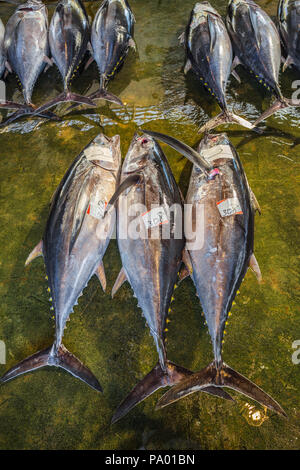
{"points": [[100, 273], [37, 251], [119, 282], [255, 268]]}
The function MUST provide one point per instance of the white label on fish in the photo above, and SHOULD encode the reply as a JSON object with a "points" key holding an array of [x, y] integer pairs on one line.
{"points": [[155, 217], [219, 151], [229, 206], [99, 152], [96, 209]]}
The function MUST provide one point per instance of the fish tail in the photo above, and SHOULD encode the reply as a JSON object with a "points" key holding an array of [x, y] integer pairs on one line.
{"points": [[159, 378], [28, 110], [57, 357], [63, 98], [280, 103], [227, 117], [106, 95], [221, 377], [11, 105]]}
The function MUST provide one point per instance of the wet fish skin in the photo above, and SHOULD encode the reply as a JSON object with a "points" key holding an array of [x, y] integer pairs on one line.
{"points": [[73, 246], [69, 34], [256, 42], [228, 241], [208, 47], [257, 46], [289, 20], [26, 44], [209, 54], [2, 54], [111, 38], [153, 277], [71, 232], [221, 259]]}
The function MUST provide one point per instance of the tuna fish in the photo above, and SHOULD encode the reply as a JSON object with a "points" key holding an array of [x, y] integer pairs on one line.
{"points": [[26, 47], [73, 245], [151, 184], [289, 20], [112, 36], [257, 47], [221, 262], [209, 55], [69, 35], [2, 54]]}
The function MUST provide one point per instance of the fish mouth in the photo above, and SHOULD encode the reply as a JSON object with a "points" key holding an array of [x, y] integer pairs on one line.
{"points": [[210, 140]]}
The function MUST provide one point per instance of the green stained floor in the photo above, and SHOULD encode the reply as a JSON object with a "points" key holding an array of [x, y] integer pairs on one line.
{"points": [[49, 409]]}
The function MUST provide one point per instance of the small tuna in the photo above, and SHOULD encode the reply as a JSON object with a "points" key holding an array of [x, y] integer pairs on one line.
{"points": [[112, 36], [26, 47], [69, 35], [289, 21], [219, 265], [209, 55], [151, 184], [74, 243], [256, 44]]}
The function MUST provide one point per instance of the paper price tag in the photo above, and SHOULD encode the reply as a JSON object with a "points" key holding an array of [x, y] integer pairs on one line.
{"points": [[99, 152], [97, 209], [155, 217], [229, 207], [219, 151]]}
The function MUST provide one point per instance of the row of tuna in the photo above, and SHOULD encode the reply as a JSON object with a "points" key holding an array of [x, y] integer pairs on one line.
{"points": [[79, 228], [28, 46], [250, 38], [213, 49]]}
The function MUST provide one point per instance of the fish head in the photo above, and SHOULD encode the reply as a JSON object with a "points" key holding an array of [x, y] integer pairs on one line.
{"points": [[105, 152], [142, 150]]}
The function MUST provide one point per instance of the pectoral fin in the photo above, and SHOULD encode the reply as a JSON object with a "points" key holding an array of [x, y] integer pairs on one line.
{"points": [[253, 19], [119, 282], [132, 180], [212, 33]]}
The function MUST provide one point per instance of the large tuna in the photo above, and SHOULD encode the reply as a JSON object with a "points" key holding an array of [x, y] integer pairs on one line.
{"points": [[209, 55], [151, 261], [257, 47], [73, 245], [289, 21], [69, 35], [220, 263], [26, 47]]}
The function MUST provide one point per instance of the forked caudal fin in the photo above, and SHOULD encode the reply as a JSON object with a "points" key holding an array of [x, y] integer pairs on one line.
{"points": [[58, 358], [27, 110], [103, 94], [156, 379], [224, 377], [277, 106], [227, 117], [63, 98]]}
